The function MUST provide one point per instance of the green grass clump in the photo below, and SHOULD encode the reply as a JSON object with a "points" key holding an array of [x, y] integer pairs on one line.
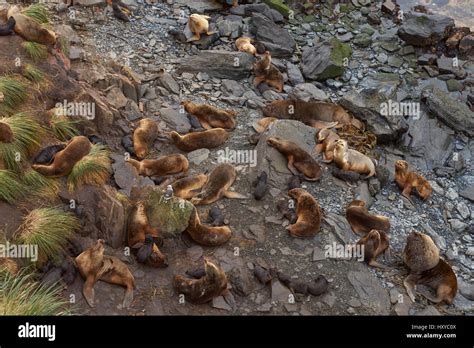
{"points": [[38, 13], [63, 127], [93, 169], [39, 185], [10, 188], [35, 50], [32, 73], [14, 93]]}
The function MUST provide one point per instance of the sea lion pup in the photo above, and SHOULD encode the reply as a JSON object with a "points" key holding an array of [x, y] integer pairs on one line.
{"points": [[209, 116], [206, 235], [314, 114], [362, 222], [29, 29], [287, 212], [308, 212], [63, 162], [8, 27], [407, 180], [187, 187], [199, 291], [93, 265], [199, 24], [262, 125], [244, 44], [215, 217], [218, 185], [298, 159], [6, 133], [420, 255], [375, 243], [197, 140], [138, 226], [352, 160], [326, 141], [150, 254], [144, 136], [265, 71], [46, 155], [261, 186], [164, 165]]}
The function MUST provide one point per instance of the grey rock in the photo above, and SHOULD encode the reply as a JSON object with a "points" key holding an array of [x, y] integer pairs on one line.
{"points": [[446, 66], [428, 310], [176, 120], [339, 226], [308, 92], [200, 6], [371, 293], [294, 74], [466, 289], [468, 193], [280, 293], [420, 29], [233, 88], [198, 156]]}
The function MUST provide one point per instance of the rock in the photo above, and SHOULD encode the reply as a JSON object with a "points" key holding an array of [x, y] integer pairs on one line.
{"points": [[194, 252], [466, 46], [463, 210], [427, 311], [446, 66], [466, 289], [420, 29], [278, 5], [241, 281], [468, 193], [454, 85], [176, 120], [308, 92], [294, 74], [390, 46], [233, 88], [199, 6], [167, 81], [230, 28], [458, 226], [362, 192], [389, 7], [220, 303], [371, 293], [325, 60], [88, 2], [116, 98], [339, 226], [362, 40], [276, 39], [280, 293], [318, 254], [450, 111], [126, 176], [256, 232], [68, 33], [220, 64], [198, 156], [437, 239]]}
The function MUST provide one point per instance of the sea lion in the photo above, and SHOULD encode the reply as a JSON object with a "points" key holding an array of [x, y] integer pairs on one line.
{"points": [[362, 222], [262, 274], [419, 255], [261, 186], [309, 214], [6, 133], [287, 212], [375, 243], [8, 27], [408, 180], [138, 226], [218, 185], [326, 141], [93, 265], [202, 290], [29, 29], [199, 24], [265, 71], [244, 44], [188, 187], [319, 286], [298, 159], [209, 116], [164, 165], [262, 125], [352, 160], [150, 254], [120, 12], [207, 235], [314, 114], [207, 139], [144, 136], [215, 217], [63, 162], [46, 155]]}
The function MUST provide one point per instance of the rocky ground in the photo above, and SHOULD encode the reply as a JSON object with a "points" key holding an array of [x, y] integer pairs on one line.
{"points": [[368, 64]]}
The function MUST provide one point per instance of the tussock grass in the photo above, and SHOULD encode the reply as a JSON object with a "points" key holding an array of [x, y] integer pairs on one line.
{"points": [[38, 12], [10, 188], [35, 50], [63, 127], [32, 73], [93, 169], [14, 93], [64, 45], [49, 228], [27, 134], [39, 185]]}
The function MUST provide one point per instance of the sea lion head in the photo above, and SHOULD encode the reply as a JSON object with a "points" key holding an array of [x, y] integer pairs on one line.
{"points": [[213, 271], [175, 136], [357, 203], [401, 166], [295, 193], [98, 247], [323, 134], [420, 253], [341, 146], [273, 141], [374, 234]]}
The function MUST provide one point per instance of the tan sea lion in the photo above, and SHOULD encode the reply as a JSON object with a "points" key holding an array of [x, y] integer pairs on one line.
{"points": [[326, 141], [352, 160], [188, 187], [298, 159], [419, 255], [6, 133], [164, 165], [199, 24], [207, 139], [308, 212], [244, 44], [362, 222], [93, 265], [218, 185], [138, 226], [29, 29], [210, 116], [408, 180], [207, 235], [262, 125], [63, 162], [202, 290], [144, 136], [375, 243], [265, 71]]}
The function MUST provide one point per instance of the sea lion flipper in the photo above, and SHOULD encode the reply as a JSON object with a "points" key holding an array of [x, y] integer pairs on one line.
{"points": [[374, 263], [426, 292], [195, 37], [128, 298], [88, 290], [409, 284], [235, 195]]}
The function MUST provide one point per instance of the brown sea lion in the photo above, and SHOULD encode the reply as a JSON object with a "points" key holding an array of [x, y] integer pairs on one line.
{"points": [[298, 159], [314, 114], [144, 136], [6, 133], [362, 222], [202, 290], [150, 254], [352, 160], [63, 162], [210, 116], [207, 235], [408, 180], [138, 226], [29, 29], [326, 141], [265, 71], [218, 185], [419, 255], [93, 265], [308, 212], [199, 24], [7, 29], [375, 243], [164, 165], [188, 187], [207, 139], [262, 125], [244, 44]]}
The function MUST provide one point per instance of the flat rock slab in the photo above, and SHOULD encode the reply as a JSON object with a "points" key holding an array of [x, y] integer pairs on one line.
{"points": [[200, 6], [370, 292]]}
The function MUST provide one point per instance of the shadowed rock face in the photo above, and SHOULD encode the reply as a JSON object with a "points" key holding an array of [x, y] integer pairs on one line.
{"points": [[420, 29]]}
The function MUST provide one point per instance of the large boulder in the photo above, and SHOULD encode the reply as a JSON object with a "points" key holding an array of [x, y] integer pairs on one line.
{"points": [[308, 93], [325, 60], [279, 5], [420, 29]]}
